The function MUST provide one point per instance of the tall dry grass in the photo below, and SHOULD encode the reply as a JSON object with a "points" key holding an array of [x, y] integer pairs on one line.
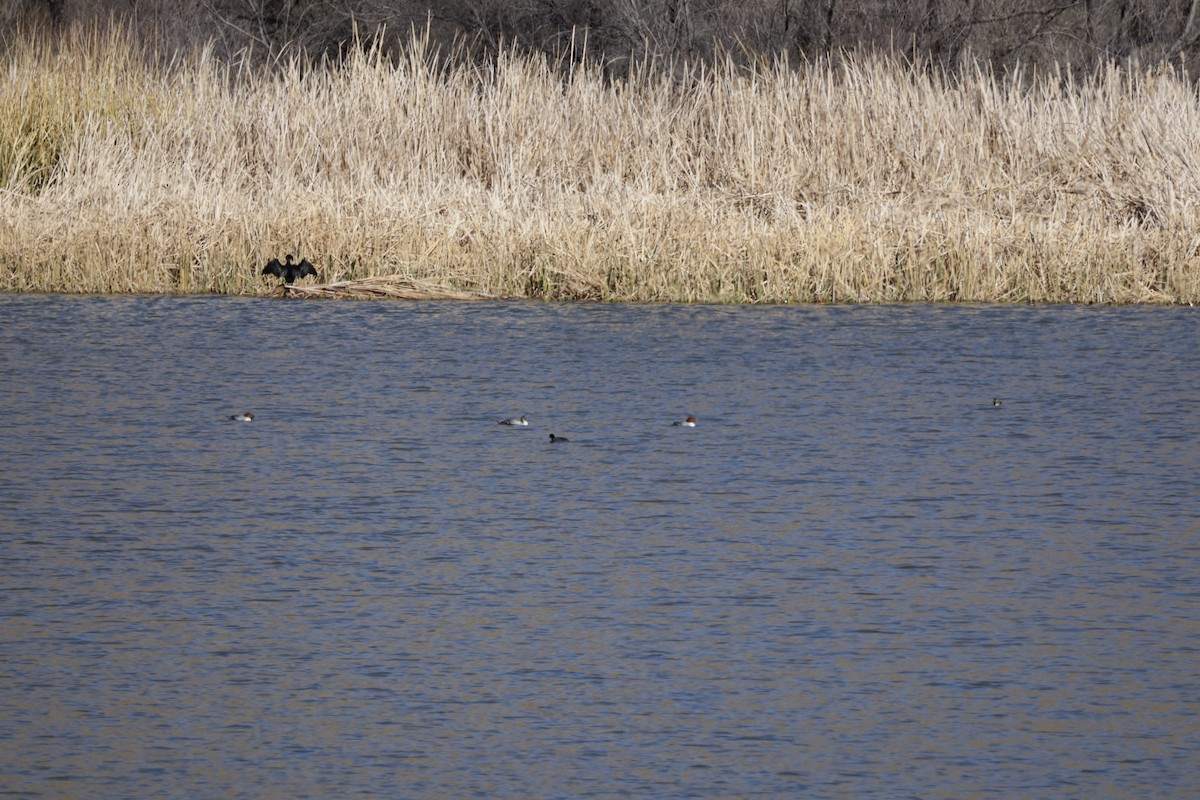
{"points": [[864, 180]]}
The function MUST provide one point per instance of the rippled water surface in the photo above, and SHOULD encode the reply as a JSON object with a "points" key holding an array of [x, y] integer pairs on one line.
{"points": [[854, 578]]}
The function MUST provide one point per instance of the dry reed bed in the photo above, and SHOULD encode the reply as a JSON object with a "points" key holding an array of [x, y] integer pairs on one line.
{"points": [[864, 181]]}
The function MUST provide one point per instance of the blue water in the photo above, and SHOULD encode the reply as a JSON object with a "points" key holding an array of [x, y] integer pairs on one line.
{"points": [[854, 578]]}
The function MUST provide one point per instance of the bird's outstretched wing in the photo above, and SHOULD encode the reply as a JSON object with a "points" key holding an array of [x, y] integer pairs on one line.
{"points": [[273, 267], [306, 268]]}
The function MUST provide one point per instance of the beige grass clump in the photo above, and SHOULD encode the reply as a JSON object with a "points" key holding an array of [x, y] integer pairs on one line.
{"points": [[861, 181]]}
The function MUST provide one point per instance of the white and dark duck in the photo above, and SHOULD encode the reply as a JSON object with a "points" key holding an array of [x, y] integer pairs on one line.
{"points": [[289, 271]]}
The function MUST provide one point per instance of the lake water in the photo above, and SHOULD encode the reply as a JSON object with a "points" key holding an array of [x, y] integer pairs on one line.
{"points": [[854, 578]]}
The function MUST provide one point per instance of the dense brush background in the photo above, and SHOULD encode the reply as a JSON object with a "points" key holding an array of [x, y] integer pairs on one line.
{"points": [[1080, 33]]}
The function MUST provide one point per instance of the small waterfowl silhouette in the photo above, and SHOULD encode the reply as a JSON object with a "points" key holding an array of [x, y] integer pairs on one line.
{"points": [[690, 422], [289, 271], [518, 421], [996, 401], [554, 439], [247, 417]]}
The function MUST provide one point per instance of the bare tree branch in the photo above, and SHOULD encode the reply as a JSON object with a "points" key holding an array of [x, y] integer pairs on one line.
{"points": [[1186, 39]]}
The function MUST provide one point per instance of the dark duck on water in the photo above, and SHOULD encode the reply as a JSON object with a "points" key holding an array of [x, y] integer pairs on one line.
{"points": [[289, 271]]}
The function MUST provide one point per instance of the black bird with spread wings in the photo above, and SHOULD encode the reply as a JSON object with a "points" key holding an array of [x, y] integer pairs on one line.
{"points": [[289, 271]]}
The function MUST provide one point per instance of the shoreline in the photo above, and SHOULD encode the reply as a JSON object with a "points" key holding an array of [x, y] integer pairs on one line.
{"points": [[437, 297]]}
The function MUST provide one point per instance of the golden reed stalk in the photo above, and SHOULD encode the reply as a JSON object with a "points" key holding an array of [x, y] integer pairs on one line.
{"points": [[861, 181]]}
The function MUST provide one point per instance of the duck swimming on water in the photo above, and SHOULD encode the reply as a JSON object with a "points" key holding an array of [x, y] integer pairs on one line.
{"points": [[519, 421], [554, 439], [690, 422], [247, 417], [289, 271]]}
